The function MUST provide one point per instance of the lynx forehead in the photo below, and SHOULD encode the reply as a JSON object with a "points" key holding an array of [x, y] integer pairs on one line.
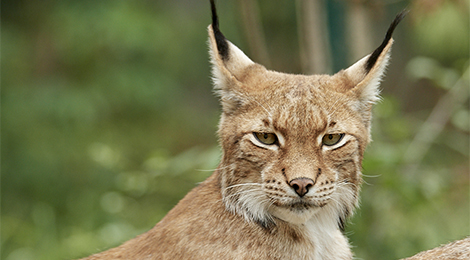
{"points": [[290, 172], [297, 102]]}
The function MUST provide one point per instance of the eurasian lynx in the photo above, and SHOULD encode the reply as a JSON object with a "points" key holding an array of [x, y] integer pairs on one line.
{"points": [[290, 173]]}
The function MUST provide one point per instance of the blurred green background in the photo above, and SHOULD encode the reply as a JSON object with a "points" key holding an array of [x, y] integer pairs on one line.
{"points": [[108, 117]]}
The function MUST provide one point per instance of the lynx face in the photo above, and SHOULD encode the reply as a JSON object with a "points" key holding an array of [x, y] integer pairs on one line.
{"points": [[292, 149], [293, 144]]}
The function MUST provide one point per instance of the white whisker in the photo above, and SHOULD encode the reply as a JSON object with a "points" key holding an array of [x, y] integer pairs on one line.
{"points": [[344, 183], [205, 170], [241, 192], [218, 168], [242, 184]]}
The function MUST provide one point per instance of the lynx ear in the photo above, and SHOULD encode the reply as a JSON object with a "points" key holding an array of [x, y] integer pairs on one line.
{"points": [[228, 66], [362, 79]]}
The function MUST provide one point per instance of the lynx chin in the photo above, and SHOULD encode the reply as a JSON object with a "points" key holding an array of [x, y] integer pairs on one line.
{"points": [[290, 172]]}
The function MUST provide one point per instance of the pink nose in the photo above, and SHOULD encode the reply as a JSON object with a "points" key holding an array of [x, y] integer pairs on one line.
{"points": [[301, 185]]}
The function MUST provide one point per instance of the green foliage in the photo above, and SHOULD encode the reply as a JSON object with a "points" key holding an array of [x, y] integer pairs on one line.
{"points": [[108, 121], [443, 31]]}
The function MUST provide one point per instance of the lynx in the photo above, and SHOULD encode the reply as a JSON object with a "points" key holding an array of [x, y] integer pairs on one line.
{"points": [[290, 172]]}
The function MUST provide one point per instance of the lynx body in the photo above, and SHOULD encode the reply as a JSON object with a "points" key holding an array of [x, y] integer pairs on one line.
{"points": [[290, 173]]}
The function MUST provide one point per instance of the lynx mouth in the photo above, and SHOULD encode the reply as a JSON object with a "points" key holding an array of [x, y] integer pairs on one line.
{"points": [[301, 205], [296, 211]]}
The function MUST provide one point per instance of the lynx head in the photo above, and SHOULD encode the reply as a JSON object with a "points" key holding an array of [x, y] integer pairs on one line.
{"points": [[293, 144]]}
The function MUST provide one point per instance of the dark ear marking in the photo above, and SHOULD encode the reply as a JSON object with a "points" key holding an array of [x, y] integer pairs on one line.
{"points": [[220, 39], [375, 55]]}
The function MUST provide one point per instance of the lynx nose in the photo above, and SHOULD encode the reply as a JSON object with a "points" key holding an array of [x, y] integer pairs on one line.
{"points": [[301, 185]]}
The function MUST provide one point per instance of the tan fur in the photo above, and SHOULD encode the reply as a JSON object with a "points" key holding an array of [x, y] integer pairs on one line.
{"points": [[458, 250], [247, 209]]}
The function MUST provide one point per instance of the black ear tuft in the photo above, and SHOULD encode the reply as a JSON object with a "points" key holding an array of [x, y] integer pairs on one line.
{"points": [[375, 55], [222, 45]]}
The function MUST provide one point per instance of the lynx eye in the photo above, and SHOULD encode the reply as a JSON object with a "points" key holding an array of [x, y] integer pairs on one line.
{"points": [[266, 138], [332, 139]]}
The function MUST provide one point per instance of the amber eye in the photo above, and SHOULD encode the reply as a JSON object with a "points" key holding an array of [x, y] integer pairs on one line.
{"points": [[266, 138], [332, 139]]}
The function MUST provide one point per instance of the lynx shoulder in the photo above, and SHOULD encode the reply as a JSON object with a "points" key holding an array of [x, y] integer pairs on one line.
{"points": [[290, 172]]}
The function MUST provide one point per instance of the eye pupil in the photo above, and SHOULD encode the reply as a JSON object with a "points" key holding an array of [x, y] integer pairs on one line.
{"points": [[332, 139], [266, 138]]}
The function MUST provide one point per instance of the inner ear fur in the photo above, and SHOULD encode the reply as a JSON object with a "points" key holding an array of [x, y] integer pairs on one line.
{"points": [[231, 61], [229, 65], [362, 79], [228, 61], [228, 69]]}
